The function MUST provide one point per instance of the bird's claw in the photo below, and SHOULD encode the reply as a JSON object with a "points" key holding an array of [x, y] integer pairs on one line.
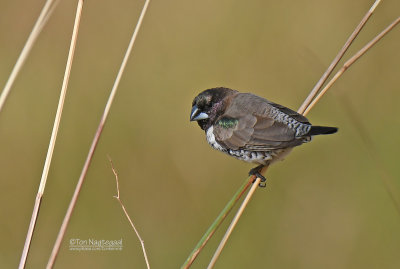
{"points": [[256, 172]]}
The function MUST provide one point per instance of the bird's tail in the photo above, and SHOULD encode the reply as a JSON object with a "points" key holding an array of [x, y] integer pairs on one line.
{"points": [[322, 130]]}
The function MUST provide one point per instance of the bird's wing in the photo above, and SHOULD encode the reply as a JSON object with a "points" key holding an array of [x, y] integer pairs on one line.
{"points": [[250, 122]]}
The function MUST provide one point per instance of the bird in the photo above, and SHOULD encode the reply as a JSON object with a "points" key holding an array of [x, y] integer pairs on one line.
{"points": [[251, 128]]}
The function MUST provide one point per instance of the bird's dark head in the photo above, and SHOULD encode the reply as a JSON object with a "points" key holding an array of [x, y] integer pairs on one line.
{"points": [[209, 105]]}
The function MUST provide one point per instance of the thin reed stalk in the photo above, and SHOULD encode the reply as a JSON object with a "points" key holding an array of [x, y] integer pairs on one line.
{"points": [[45, 14], [53, 138], [339, 56], [217, 222], [95, 141], [233, 223], [349, 62]]}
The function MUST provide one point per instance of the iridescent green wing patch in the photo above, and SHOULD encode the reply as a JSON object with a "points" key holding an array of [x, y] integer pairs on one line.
{"points": [[227, 123]]}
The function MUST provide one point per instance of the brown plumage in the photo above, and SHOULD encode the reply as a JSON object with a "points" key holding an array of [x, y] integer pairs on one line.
{"points": [[249, 127], [256, 128]]}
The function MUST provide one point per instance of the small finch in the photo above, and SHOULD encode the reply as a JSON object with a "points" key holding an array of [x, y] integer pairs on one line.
{"points": [[251, 128]]}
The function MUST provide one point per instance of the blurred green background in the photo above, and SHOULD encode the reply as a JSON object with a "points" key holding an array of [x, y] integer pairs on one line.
{"points": [[325, 206]]}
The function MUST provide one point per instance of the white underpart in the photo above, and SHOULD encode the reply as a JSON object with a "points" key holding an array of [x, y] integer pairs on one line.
{"points": [[211, 139]]}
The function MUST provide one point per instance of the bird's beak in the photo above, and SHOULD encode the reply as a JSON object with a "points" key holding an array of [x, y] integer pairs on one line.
{"points": [[196, 114]]}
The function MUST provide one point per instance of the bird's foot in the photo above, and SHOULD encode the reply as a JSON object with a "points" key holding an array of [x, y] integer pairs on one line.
{"points": [[256, 172]]}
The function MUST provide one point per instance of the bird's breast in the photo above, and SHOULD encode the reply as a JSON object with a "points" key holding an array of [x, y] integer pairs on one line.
{"points": [[211, 139]]}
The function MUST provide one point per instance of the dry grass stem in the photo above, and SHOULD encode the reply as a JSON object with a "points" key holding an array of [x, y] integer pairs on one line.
{"points": [[52, 139], [95, 141], [217, 222], [127, 215], [339, 56], [45, 14], [349, 62], [233, 223], [235, 220], [48, 14]]}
